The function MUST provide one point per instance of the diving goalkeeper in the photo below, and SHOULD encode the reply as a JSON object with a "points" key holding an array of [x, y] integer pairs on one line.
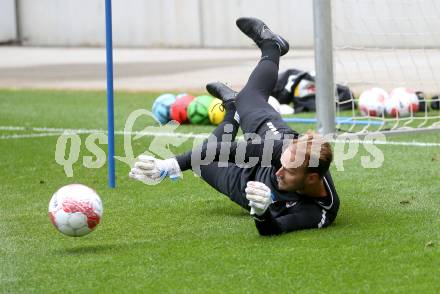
{"points": [[282, 178]]}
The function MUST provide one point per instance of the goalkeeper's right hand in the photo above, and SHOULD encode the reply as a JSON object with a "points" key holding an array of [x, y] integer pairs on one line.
{"points": [[150, 170], [260, 197]]}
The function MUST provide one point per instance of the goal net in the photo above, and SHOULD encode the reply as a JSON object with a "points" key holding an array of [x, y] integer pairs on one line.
{"points": [[387, 44]]}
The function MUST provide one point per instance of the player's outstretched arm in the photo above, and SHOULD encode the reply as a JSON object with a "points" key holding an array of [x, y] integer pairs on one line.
{"points": [[267, 151], [151, 170]]}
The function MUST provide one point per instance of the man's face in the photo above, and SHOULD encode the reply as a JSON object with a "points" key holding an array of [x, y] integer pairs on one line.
{"points": [[291, 179], [292, 176]]}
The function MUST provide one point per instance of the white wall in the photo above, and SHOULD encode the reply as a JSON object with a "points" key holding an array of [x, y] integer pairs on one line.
{"points": [[62, 22], [211, 23], [157, 23], [135, 22], [292, 18], [8, 31], [390, 23]]}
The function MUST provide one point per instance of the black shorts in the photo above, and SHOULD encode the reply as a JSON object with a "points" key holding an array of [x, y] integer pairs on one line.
{"points": [[288, 216]]}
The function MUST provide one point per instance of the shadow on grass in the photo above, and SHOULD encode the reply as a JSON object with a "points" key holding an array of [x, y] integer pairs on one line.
{"points": [[90, 249], [226, 211]]}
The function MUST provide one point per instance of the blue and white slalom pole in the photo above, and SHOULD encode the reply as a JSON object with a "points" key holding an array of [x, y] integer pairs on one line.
{"points": [[110, 112]]}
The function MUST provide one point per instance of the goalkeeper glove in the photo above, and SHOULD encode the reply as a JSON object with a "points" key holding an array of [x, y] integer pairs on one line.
{"points": [[259, 196], [150, 170]]}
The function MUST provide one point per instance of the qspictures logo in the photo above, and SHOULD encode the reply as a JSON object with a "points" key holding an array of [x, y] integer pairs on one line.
{"points": [[165, 137]]}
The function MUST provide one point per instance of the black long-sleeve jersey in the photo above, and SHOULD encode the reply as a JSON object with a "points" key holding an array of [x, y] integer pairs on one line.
{"points": [[290, 210], [294, 211]]}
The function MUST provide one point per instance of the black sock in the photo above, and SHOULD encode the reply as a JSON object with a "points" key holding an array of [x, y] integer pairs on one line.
{"points": [[229, 106], [270, 50], [230, 112], [229, 117]]}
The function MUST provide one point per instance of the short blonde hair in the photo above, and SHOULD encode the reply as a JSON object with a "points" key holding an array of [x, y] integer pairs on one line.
{"points": [[318, 153]]}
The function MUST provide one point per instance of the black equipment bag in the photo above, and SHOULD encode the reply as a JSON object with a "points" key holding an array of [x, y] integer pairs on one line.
{"points": [[287, 90]]}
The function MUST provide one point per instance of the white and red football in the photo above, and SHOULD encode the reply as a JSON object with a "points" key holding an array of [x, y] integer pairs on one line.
{"points": [[402, 102], [372, 102], [75, 210]]}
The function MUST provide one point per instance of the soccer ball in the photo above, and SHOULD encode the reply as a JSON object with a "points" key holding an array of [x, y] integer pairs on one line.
{"points": [[198, 110], [274, 103], [75, 210], [216, 111], [372, 102], [179, 109], [161, 107], [402, 102]]}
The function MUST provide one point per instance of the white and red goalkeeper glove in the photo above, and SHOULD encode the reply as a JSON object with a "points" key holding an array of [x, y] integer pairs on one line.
{"points": [[259, 196], [150, 170]]}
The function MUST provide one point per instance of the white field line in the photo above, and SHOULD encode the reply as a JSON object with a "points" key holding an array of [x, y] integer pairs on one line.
{"points": [[396, 143], [58, 131], [24, 136]]}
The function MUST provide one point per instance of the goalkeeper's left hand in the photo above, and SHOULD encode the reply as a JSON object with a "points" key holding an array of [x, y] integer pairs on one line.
{"points": [[259, 196]]}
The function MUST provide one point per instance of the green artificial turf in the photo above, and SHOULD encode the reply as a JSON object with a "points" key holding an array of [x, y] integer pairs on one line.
{"points": [[184, 237]]}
